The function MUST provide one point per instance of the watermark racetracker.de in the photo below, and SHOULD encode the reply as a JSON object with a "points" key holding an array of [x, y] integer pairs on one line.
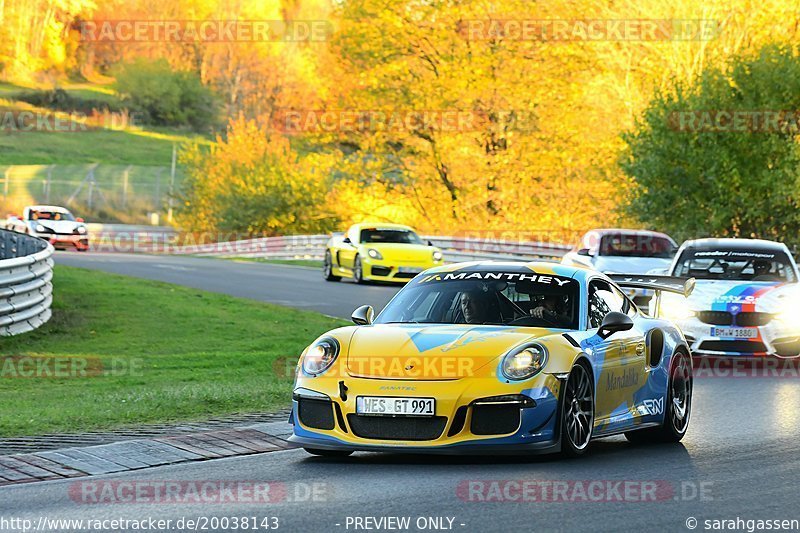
{"points": [[68, 367], [205, 31], [188, 492], [514, 28], [582, 491]]}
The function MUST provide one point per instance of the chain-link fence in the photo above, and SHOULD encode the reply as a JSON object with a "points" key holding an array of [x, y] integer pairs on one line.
{"points": [[105, 193]]}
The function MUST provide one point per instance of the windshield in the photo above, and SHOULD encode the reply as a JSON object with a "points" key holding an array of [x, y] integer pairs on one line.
{"points": [[51, 215], [735, 265], [397, 236], [636, 245], [499, 298]]}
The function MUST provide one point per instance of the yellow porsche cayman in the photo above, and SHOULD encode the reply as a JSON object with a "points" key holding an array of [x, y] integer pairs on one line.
{"points": [[379, 252], [491, 357]]}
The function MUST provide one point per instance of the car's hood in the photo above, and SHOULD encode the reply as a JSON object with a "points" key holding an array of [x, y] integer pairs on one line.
{"points": [[403, 252], [57, 226], [736, 296], [432, 352], [629, 265]]}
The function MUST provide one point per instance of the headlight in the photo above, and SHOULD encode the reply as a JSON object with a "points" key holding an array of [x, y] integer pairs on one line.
{"points": [[375, 254], [789, 315], [81, 230], [438, 256], [524, 362], [320, 356], [40, 229], [675, 309], [789, 318]]}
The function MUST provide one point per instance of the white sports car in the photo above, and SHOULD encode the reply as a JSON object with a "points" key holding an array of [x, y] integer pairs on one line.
{"points": [[746, 301], [54, 224], [624, 251]]}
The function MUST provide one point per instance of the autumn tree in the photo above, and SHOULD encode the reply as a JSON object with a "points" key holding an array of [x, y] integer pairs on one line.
{"points": [[251, 182], [720, 156]]}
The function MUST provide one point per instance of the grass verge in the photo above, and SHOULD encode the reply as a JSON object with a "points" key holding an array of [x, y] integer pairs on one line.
{"points": [[167, 353]]}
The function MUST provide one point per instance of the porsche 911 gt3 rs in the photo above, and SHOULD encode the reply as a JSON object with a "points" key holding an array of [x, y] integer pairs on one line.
{"points": [[492, 357]]}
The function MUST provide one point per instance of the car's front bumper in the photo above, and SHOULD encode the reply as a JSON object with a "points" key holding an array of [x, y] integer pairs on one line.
{"points": [[773, 338], [79, 242], [393, 271], [462, 422]]}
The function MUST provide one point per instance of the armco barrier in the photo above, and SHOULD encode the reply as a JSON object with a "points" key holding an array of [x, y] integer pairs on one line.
{"points": [[313, 247], [26, 289]]}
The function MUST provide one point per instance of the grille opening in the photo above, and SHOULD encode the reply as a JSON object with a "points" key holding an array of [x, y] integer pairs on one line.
{"points": [[381, 271], [753, 319], [655, 347], [458, 421], [716, 318], [494, 419], [404, 275], [317, 414], [397, 428], [787, 347], [339, 417], [738, 346]]}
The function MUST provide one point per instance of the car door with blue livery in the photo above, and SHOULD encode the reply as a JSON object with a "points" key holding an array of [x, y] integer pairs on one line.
{"points": [[619, 359]]}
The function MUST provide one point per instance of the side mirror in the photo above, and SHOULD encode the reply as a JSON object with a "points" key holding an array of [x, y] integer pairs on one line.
{"points": [[347, 240], [79, 219], [430, 243], [364, 314], [613, 323], [584, 251]]}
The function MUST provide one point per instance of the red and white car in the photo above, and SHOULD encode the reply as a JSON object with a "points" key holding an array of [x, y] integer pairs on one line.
{"points": [[53, 224]]}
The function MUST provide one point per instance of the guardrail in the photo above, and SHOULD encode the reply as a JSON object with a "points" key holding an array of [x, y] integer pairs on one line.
{"points": [[26, 289], [455, 249], [130, 238]]}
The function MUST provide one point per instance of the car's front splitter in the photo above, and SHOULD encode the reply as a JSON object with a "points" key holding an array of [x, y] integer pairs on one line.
{"points": [[541, 447]]}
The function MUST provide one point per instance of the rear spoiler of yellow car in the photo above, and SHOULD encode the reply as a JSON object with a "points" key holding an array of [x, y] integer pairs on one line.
{"points": [[682, 286]]}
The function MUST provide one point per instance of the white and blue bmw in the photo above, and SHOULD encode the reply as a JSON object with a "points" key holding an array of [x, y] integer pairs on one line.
{"points": [[746, 301]]}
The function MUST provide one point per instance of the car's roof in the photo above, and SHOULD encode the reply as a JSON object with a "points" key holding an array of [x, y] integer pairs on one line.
{"points": [[626, 231], [52, 208], [735, 244], [381, 225], [540, 267]]}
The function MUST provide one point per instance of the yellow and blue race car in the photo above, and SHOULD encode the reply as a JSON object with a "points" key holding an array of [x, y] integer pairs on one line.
{"points": [[378, 252], [494, 357]]}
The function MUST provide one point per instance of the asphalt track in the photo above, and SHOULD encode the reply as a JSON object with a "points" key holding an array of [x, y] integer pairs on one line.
{"points": [[739, 459], [300, 287]]}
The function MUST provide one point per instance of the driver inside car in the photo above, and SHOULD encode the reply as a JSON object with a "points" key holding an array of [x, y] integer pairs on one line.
{"points": [[478, 307], [550, 309], [762, 271]]}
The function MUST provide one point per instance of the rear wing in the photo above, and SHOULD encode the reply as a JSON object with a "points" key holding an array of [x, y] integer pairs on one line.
{"points": [[682, 286]]}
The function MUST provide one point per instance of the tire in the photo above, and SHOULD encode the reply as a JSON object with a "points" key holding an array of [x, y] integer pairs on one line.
{"points": [[327, 268], [577, 413], [328, 453], [677, 406], [358, 273]]}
